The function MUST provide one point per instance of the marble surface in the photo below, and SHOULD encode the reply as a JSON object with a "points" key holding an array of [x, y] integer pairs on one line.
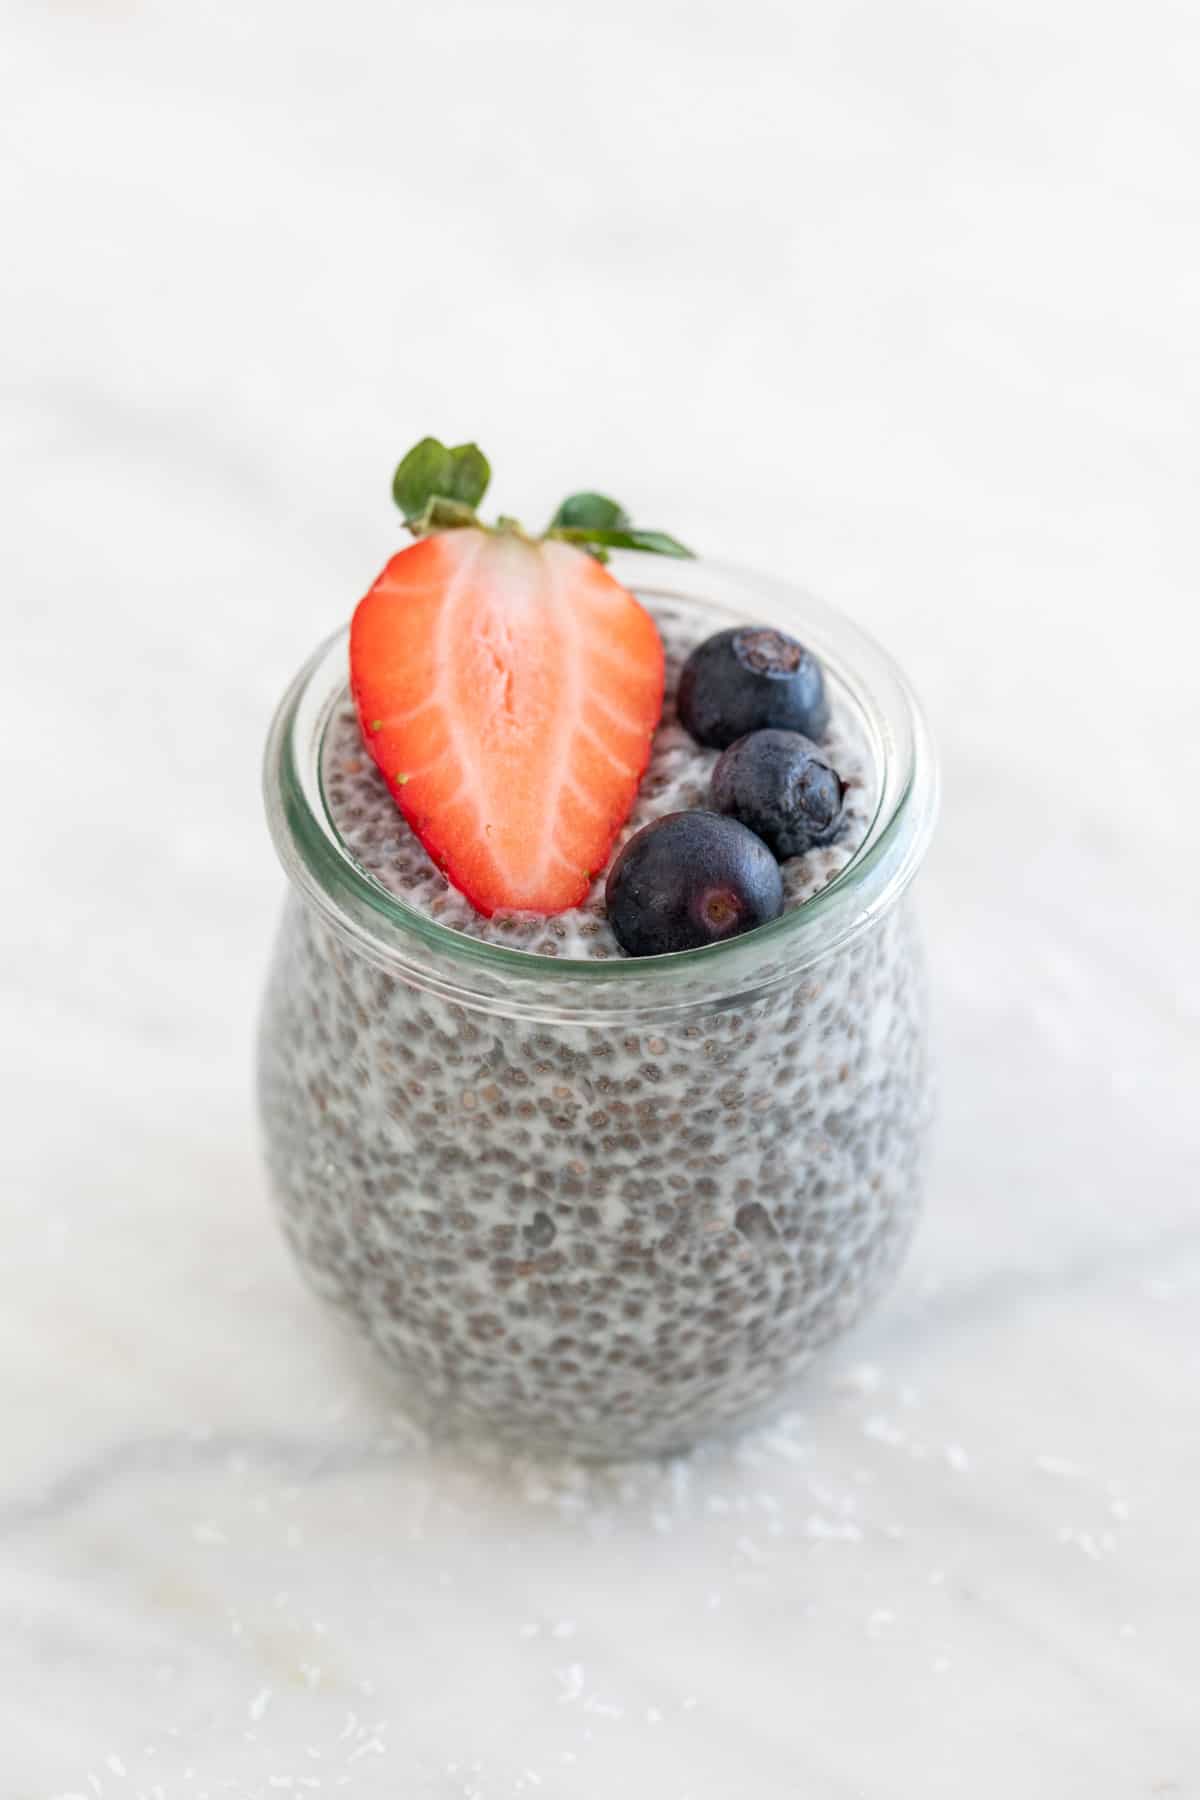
{"points": [[901, 299]]}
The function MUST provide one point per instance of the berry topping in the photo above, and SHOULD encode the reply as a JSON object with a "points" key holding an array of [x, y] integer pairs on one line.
{"points": [[509, 692], [507, 687], [689, 879], [747, 679], [777, 784]]}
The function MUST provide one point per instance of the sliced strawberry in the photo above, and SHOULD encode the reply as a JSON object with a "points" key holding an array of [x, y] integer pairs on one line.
{"points": [[509, 692]]}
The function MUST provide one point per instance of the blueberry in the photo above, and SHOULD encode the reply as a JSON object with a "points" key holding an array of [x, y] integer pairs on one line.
{"points": [[691, 878], [776, 783], [749, 678]]}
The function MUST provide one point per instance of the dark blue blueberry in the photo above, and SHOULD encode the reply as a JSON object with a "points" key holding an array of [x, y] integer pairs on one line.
{"points": [[688, 879], [749, 678], [777, 783]]}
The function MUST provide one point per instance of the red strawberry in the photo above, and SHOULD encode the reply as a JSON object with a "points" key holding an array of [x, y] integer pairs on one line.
{"points": [[509, 691]]}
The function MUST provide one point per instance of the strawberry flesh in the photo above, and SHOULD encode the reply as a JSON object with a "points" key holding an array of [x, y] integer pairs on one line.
{"points": [[509, 693]]}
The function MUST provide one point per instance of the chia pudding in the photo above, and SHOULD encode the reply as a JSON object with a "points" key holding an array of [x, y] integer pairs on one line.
{"points": [[588, 1203]]}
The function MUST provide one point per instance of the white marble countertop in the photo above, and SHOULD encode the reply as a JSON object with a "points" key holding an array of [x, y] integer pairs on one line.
{"points": [[901, 299]]}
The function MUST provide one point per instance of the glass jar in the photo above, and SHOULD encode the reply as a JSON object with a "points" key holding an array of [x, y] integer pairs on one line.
{"points": [[602, 1208]]}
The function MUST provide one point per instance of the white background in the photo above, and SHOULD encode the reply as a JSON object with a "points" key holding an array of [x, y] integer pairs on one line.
{"points": [[898, 299]]}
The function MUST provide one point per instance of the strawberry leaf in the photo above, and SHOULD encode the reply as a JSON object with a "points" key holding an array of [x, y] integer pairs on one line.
{"points": [[442, 515], [438, 488], [432, 472], [470, 474], [591, 512], [626, 539], [423, 473]]}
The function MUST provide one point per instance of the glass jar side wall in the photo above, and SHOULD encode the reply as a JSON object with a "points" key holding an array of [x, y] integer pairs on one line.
{"points": [[607, 1238]]}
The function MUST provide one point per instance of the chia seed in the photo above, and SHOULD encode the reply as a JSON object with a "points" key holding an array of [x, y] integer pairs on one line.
{"points": [[642, 1233]]}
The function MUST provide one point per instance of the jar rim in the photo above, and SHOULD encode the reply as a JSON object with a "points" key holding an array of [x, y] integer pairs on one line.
{"points": [[416, 947]]}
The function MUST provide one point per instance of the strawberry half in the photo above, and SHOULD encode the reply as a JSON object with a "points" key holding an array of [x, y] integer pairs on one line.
{"points": [[508, 691]]}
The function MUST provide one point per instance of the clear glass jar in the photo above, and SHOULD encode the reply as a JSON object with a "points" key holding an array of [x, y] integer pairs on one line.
{"points": [[602, 1208]]}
